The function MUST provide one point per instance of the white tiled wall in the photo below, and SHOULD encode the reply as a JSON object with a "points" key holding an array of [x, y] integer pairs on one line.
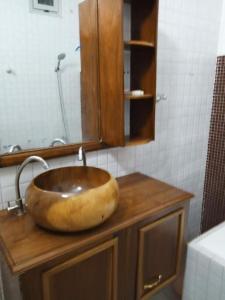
{"points": [[187, 49], [30, 44], [221, 46]]}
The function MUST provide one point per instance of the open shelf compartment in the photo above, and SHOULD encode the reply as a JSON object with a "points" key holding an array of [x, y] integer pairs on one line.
{"points": [[140, 121], [140, 42], [144, 16]]}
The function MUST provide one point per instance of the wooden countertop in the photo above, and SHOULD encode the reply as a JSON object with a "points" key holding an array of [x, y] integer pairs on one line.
{"points": [[26, 245]]}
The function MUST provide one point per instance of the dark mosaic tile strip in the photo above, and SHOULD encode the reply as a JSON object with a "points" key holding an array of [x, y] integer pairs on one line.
{"points": [[214, 189], [220, 76]]}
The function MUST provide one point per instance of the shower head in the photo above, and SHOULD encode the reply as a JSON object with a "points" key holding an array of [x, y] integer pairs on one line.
{"points": [[61, 56]]}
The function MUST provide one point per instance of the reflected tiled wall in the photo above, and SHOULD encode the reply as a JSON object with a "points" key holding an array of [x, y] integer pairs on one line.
{"points": [[188, 36], [30, 45]]}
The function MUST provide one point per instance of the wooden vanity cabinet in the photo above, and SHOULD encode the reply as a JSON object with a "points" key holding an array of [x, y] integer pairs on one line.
{"points": [[130, 257], [149, 252]]}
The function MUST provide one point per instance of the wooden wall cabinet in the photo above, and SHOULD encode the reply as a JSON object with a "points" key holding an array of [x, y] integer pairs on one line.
{"points": [[127, 60], [133, 255]]}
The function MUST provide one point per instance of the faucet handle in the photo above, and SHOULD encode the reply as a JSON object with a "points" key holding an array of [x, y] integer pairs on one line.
{"points": [[10, 207], [18, 207]]}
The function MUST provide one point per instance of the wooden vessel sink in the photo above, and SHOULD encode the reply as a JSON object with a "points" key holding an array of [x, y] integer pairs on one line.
{"points": [[72, 198]]}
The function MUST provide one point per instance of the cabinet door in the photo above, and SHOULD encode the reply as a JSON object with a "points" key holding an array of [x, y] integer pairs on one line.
{"points": [[111, 71], [88, 18], [91, 275], [160, 245]]}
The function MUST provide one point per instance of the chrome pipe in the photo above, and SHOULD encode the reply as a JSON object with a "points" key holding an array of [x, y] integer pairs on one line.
{"points": [[19, 202]]}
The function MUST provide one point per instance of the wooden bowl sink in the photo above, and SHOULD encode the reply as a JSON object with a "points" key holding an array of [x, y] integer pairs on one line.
{"points": [[72, 198]]}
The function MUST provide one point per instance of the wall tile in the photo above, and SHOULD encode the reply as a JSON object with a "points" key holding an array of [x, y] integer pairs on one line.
{"points": [[7, 176]]}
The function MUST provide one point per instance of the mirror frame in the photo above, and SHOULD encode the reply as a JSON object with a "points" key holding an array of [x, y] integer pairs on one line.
{"points": [[48, 153]]}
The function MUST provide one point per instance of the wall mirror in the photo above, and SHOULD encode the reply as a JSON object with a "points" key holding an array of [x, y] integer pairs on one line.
{"points": [[48, 77]]}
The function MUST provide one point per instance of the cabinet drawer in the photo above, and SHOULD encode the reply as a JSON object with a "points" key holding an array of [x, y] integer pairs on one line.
{"points": [[160, 245], [91, 275]]}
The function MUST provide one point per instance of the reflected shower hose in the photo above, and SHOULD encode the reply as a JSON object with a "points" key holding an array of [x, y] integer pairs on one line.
{"points": [[62, 105]]}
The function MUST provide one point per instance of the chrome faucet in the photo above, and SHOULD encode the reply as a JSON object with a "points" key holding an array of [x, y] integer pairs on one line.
{"points": [[19, 202], [14, 148], [82, 156], [57, 141]]}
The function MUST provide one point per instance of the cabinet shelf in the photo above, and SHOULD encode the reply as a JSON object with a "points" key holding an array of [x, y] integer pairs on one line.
{"points": [[134, 141], [131, 97], [137, 43]]}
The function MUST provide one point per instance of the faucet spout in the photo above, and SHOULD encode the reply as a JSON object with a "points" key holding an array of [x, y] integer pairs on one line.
{"points": [[82, 156], [19, 203]]}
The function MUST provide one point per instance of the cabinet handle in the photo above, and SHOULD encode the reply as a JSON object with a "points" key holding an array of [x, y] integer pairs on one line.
{"points": [[154, 284]]}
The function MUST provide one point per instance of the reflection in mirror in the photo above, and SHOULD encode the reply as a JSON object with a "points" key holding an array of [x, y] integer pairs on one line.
{"points": [[48, 73]]}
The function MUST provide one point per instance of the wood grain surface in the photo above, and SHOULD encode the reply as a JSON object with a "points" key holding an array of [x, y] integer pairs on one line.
{"points": [[25, 245]]}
